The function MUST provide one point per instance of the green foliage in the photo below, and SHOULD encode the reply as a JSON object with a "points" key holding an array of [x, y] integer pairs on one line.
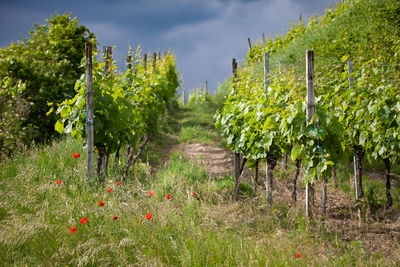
{"points": [[359, 109], [198, 96], [127, 105], [222, 92], [13, 112], [258, 122], [196, 134], [48, 64]]}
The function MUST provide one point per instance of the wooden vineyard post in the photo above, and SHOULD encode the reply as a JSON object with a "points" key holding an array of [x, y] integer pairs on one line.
{"points": [[258, 161], [145, 61], [237, 155], [237, 174], [284, 161], [334, 176], [310, 113], [266, 72], [206, 87], [89, 107], [268, 169], [358, 153], [349, 71], [154, 61], [263, 38], [129, 63], [248, 40], [324, 196], [355, 158], [108, 58], [284, 156], [102, 161], [294, 181]]}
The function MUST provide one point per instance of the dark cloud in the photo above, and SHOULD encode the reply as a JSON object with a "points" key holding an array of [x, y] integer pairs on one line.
{"points": [[205, 34]]}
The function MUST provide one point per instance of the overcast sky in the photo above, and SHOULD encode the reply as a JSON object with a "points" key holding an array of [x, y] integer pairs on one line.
{"points": [[204, 34]]}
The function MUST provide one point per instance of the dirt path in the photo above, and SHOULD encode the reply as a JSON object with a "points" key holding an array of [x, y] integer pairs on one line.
{"points": [[217, 161]]}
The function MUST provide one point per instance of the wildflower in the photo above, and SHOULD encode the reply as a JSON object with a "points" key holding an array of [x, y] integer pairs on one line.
{"points": [[109, 190], [168, 196], [58, 181], [117, 183], [84, 220], [72, 230], [193, 193], [297, 255], [101, 203], [148, 216], [150, 194], [99, 194], [115, 217], [76, 155], [176, 207]]}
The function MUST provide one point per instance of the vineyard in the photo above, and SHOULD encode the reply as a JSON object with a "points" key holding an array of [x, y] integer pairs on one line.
{"points": [[292, 162], [128, 105], [334, 103]]}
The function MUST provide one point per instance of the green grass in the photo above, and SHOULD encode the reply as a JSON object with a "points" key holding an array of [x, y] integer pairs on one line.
{"points": [[197, 134], [194, 123], [206, 230]]}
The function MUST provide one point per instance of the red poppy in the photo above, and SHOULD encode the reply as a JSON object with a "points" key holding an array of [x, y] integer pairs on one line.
{"points": [[193, 193], [101, 203], [168, 196], [109, 190], [76, 155], [115, 217], [117, 183], [72, 230], [84, 220], [99, 194], [297, 255], [58, 181], [176, 207], [148, 216], [150, 194]]}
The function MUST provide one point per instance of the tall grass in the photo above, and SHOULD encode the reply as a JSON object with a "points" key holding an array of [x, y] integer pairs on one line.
{"points": [[206, 229]]}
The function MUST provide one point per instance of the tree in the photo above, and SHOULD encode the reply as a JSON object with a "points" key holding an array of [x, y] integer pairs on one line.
{"points": [[48, 64]]}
